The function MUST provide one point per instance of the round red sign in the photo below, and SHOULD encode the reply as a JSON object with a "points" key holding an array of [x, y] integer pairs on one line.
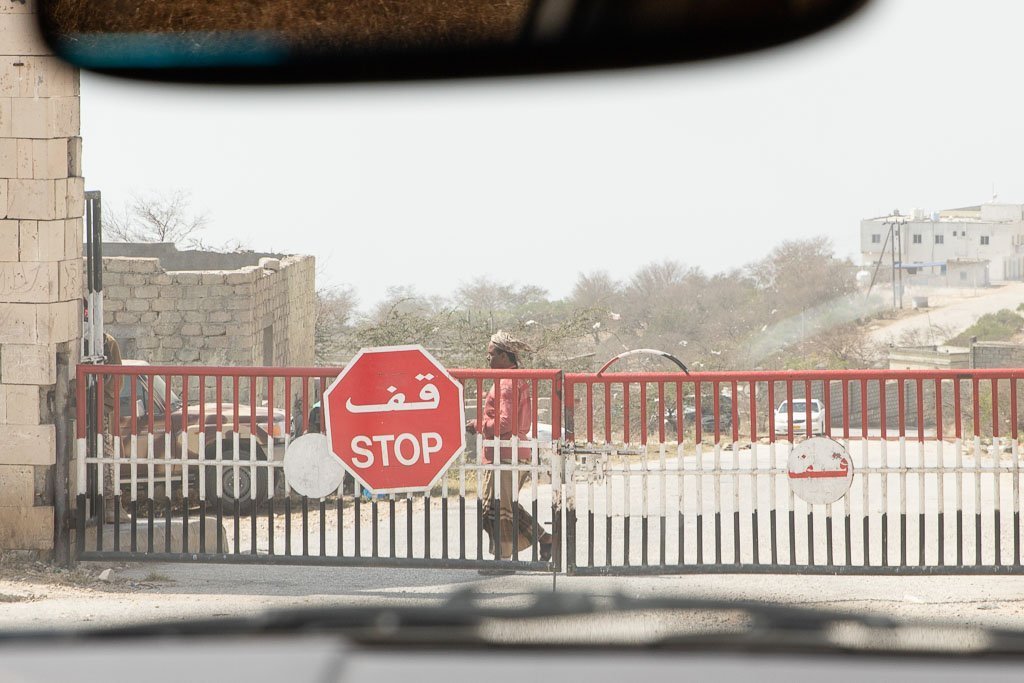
{"points": [[395, 418]]}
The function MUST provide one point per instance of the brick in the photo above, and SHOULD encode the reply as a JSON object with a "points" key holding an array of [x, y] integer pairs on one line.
{"points": [[17, 485], [28, 364], [58, 322], [52, 240], [117, 264], [164, 305], [6, 118], [9, 241], [220, 317], [75, 157], [137, 305], [76, 197], [22, 401], [60, 198], [194, 316], [212, 278], [187, 355], [162, 280], [168, 317], [31, 116], [28, 240], [45, 77], [27, 445], [64, 117], [74, 238], [185, 278], [17, 323], [145, 292], [112, 304], [23, 159], [126, 318], [134, 279], [149, 318], [19, 34], [241, 277], [28, 282], [70, 285], [27, 7], [8, 158], [30, 199], [145, 265], [26, 528], [191, 330], [147, 343]]}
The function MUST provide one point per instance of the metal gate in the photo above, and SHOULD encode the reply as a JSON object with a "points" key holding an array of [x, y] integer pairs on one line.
{"points": [[673, 473], [193, 460], [653, 473]]}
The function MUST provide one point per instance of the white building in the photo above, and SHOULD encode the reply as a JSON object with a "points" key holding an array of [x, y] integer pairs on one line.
{"points": [[929, 242]]}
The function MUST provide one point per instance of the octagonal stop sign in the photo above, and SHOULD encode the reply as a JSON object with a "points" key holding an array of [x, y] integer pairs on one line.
{"points": [[395, 418]]}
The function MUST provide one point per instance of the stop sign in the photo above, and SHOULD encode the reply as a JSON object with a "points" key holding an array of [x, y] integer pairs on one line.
{"points": [[395, 418]]}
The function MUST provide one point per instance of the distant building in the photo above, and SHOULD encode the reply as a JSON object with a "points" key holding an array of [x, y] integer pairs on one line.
{"points": [[968, 247]]}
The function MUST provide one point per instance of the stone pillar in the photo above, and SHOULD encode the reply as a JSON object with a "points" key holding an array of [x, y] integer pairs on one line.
{"points": [[41, 207]]}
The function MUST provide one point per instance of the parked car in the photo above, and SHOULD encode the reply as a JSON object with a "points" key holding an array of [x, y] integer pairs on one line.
{"points": [[265, 437], [707, 417], [800, 417]]}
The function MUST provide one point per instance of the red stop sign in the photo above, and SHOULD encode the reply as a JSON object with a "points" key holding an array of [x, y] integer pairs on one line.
{"points": [[395, 418]]}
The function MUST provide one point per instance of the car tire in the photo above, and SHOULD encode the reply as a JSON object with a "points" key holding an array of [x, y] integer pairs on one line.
{"points": [[246, 503]]}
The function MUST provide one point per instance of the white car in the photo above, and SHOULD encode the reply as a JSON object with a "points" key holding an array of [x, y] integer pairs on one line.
{"points": [[800, 417]]}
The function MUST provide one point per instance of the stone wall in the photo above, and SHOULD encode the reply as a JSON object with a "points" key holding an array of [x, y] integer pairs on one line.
{"points": [[997, 355], [41, 206], [217, 317]]}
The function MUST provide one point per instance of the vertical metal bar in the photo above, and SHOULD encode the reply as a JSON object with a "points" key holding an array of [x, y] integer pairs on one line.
{"points": [[901, 392], [1015, 453], [976, 405], [959, 473], [734, 418], [392, 530], [789, 447], [699, 458], [941, 476], [717, 473], [357, 502], [323, 528], [772, 466], [921, 503], [996, 477], [755, 539]]}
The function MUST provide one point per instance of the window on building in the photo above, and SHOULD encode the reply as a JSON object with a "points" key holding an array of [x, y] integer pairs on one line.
{"points": [[876, 238], [963, 274], [942, 270], [938, 239], [984, 239], [917, 239]]}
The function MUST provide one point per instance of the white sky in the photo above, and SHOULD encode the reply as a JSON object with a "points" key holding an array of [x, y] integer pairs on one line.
{"points": [[916, 103]]}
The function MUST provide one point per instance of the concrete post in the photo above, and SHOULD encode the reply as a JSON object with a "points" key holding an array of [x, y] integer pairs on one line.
{"points": [[41, 207]]}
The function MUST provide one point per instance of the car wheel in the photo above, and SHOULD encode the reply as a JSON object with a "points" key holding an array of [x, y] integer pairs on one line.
{"points": [[247, 503]]}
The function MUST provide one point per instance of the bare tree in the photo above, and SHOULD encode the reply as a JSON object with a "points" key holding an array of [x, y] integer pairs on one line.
{"points": [[157, 217], [335, 307]]}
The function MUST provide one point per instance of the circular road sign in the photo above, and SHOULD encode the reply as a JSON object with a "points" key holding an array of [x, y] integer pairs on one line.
{"points": [[820, 470], [310, 468], [395, 418]]}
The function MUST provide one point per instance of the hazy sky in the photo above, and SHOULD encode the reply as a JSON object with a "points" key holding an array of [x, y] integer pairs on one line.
{"points": [[916, 103]]}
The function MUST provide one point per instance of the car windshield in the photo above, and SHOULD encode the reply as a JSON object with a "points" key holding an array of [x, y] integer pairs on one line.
{"points": [[449, 335]]}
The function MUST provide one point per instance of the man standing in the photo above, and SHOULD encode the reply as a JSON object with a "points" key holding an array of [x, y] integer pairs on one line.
{"points": [[508, 412]]}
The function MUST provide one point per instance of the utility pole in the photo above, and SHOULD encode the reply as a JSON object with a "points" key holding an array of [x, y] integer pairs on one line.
{"points": [[895, 222]]}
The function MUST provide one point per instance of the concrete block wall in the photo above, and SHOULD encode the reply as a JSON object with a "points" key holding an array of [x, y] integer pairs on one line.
{"points": [[997, 355], [213, 317], [41, 206]]}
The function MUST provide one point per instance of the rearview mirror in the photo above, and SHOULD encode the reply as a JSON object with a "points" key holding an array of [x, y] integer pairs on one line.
{"points": [[352, 40]]}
